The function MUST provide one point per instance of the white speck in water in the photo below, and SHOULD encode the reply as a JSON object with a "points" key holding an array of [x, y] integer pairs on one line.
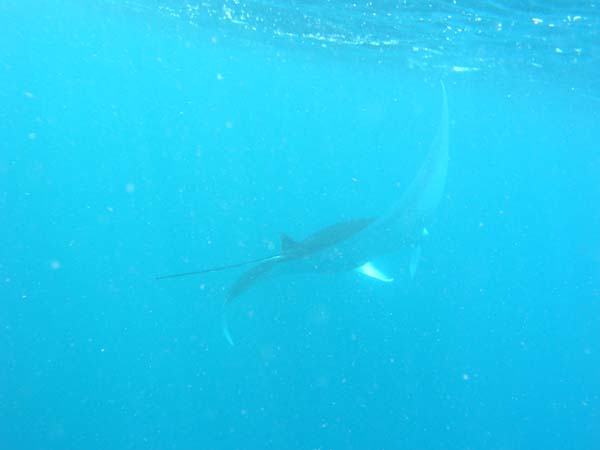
{"points": [[55, 264], [130, 188], [465, 376], [537, 21]]}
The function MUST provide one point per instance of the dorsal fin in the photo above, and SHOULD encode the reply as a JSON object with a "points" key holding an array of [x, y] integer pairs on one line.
{"points": [[287, 243]]}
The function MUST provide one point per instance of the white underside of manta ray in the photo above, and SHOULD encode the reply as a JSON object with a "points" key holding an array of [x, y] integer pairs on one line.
{"points": [[356, 244]]}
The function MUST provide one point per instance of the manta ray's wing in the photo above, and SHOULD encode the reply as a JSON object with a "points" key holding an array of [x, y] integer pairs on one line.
{"points": [[405, 222], [252, 275], [417, 205]]}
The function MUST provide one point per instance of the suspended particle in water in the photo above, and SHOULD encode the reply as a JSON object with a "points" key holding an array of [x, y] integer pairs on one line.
{"points": [[55, 264]]}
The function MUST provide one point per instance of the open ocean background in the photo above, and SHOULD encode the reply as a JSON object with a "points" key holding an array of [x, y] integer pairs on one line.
{"points": [[139, 138]]}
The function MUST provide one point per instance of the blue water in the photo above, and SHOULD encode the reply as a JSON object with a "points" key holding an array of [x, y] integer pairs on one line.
{"points": [[144, 138]]}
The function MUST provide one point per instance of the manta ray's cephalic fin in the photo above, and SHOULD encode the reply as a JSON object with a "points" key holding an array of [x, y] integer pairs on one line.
{"points": [[371, 271]]}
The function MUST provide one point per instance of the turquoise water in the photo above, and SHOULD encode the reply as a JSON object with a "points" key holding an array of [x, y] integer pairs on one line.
{"points": [[139, 139]]}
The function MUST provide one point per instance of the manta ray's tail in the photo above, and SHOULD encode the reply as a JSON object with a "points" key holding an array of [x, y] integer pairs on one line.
{"points": [[217, 269], [247, 279]]}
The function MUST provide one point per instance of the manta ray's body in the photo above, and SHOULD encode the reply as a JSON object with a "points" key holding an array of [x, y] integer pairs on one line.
{"points": [[355, 244]]}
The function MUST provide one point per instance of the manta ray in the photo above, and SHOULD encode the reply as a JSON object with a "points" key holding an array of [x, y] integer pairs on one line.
{"points": [[356, 244]]}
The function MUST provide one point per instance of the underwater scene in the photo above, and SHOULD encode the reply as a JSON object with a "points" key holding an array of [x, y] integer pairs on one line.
{"points": [[299, 224]]}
